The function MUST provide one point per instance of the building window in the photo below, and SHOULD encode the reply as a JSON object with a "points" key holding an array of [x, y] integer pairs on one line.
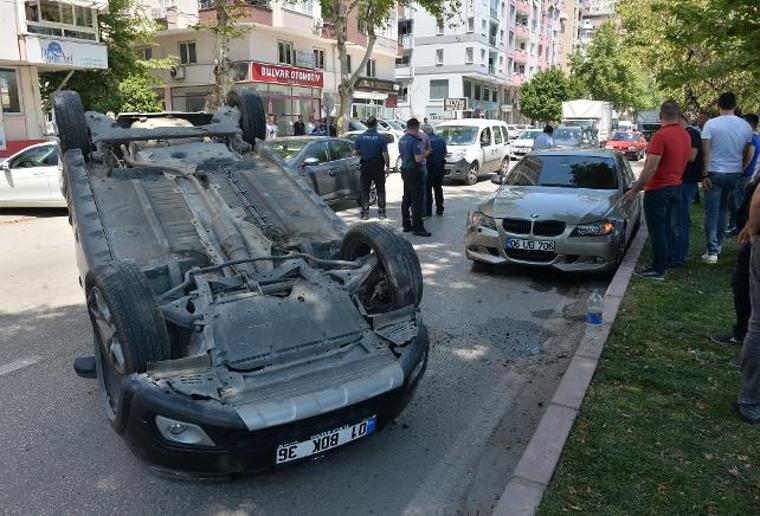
{"points": [[285, 52], [439, 29], [469, 53], [9, 91], [371, 72], [486, 94], [319, 59], [482, 57], [187, 53], [501, 37], [467, 89], [439, 57], [483, 29], [477, 92], [60, 19], [439, 89], [470, 24], [144, 53]]}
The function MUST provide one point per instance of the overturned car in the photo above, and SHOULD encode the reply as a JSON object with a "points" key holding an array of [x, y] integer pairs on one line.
{"points": [[239, 324]]}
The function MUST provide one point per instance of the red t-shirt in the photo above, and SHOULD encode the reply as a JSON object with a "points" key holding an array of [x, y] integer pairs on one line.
{"points": [[673, 144]]}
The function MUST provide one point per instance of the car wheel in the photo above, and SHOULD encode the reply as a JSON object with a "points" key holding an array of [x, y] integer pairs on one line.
{"points": [[396, 279], [398, 164], [472, 174], [252, 119], [70, 121], [129, 329], [504, 166]]}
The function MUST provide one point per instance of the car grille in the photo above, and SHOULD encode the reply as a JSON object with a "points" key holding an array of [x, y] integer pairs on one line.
{"points": [[548, 227], [531, 256], [516, 226]]}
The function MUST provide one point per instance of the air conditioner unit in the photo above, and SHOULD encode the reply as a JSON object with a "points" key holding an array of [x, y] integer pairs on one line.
{"points": [[177, 72], [317, 26]]}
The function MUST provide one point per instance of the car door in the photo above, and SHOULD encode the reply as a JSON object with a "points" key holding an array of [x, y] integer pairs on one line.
{"points": [[318, 172], [500, 142], [490, 153], [25, 177], [632, 210], [346, 169]]}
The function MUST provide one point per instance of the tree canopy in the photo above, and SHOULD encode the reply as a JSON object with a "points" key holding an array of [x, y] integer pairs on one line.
{"points": [[541, 98]]}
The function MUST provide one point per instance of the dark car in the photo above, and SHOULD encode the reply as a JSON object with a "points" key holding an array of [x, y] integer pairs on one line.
{"points": [[239, 324]]}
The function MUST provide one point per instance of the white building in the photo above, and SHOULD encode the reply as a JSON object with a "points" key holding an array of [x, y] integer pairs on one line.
{"points": [[594, 14], [495, 46], [35, 36], [289, 54]]}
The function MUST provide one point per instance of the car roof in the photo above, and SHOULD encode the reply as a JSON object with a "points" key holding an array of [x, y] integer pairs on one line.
{"points": [[594, 153], [476, 122]]}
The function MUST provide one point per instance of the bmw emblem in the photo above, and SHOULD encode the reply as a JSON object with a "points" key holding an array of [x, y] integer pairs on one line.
{"points": [[534, 215]]}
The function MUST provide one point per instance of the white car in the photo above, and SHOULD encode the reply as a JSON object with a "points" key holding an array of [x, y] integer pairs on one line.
{"points": [[393, 126], [524, 143], [476, 147], [391, 138], [31, 179]]}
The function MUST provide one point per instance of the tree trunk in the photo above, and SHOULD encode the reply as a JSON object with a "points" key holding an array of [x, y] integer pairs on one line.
{"points": [[224, 72]]}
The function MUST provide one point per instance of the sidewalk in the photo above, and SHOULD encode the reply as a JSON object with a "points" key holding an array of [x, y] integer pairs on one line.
{"points": [[655, 433]]}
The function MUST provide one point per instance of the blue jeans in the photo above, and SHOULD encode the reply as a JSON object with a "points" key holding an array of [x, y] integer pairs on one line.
{"points": [[660, 206], [739, 194], [716, 209], [681, 221]]}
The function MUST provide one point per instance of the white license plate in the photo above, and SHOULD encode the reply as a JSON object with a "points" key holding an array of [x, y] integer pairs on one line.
{"points": [[325, 441], [530, 245]]}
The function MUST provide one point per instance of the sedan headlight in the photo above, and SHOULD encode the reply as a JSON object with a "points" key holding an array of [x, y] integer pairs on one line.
{"points": [[604, 227], [456, 156], [478, 219]]}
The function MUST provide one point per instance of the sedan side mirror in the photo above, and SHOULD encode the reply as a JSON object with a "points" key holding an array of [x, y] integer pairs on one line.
{"points": [[5, 166], [310, 162]]}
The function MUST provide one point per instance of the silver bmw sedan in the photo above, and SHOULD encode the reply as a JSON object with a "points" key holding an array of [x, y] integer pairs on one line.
{"points": [[559, 209]]}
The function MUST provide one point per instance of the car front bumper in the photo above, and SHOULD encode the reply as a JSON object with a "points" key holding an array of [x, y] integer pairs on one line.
{"points": [[571, 254], [456, 170], [236, 449]]}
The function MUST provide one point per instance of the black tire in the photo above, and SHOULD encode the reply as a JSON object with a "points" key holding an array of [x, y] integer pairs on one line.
{"points": [[397, 281], [473, 174], [252, 118], [71, 123], [128, 326]]}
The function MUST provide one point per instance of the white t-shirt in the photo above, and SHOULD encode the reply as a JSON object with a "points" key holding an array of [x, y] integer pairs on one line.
{"points": [[271, 131], [543, 141], [729, 134]]}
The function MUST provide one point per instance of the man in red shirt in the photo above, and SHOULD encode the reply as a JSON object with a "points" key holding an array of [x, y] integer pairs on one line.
{"points": [[669, 152]]}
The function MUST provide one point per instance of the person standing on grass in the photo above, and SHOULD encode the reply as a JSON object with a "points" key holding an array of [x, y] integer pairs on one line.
{"points": [[692, 175], [726, 140], [669, 151]]}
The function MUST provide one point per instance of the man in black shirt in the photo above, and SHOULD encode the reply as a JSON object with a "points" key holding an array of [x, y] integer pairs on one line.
{"points": [[299, 128], [681, 221]]}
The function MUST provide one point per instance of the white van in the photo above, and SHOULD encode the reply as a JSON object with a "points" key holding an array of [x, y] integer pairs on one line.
{"points": [[476, 147]]}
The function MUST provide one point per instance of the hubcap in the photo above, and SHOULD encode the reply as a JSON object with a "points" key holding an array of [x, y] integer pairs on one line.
{"points": [[109, 353]]}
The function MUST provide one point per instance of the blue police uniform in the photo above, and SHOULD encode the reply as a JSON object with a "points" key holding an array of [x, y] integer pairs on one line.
{"points": [[371, 145], [410, 146], [436, 166]]}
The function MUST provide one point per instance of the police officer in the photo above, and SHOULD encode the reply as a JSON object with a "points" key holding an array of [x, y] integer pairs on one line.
{"points": [[412, 154], [373, 149], [436, 162]]}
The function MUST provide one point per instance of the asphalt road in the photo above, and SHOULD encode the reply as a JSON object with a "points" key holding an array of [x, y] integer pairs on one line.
{"points": [[500, 342]]}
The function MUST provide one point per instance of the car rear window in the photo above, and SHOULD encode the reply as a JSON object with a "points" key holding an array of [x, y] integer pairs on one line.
{"points": [[624, 137], [566, 171], [287, 149]]}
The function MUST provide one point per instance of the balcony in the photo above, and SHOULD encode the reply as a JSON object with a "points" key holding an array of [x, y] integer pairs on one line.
{"points": [[522, 6], [522, 32], [521, 56], [517, 79], [406, 41]]}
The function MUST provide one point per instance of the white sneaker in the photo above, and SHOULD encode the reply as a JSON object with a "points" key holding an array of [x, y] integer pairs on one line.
{"points": [[710, 258]]}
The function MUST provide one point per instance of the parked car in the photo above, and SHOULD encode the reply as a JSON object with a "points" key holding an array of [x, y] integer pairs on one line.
{"points": [[574, 138], [30, 178], [558, 209], [328, 164], [524, 143], [392, 140], [325, 123], [476, 147], [394, 126], [631, 143], [239, 324]]}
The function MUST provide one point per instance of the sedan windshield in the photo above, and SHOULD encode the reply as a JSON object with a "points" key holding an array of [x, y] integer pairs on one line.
{"points": [[458, 134], [569, 171], [624, 137], [287, 149], [568, 134]]}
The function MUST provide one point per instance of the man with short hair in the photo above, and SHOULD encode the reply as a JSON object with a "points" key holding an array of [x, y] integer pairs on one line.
{"points": [[412, 154], [271, 128], [299, 128], [726, 140], [436, 164], [372, 147], [544, 140], [669, 151], [692, 175]]}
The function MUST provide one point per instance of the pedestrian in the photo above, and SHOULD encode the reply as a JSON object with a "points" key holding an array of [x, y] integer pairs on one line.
{"points": [[412, 154], [692, 175], [669, 151], [747, 406], [436, 166], [726, 140], [702, 118], [271, 127], [311, 126], [426, 146], [739, 193], [544, 140], [299, 128], [375, 166]]}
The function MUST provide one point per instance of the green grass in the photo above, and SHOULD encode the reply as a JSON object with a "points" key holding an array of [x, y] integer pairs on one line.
{"points": [[656, 434]]}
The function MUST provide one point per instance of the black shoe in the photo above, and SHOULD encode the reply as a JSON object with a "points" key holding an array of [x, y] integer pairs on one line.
{"points": [[407, 230], [422, 233], [381, 216], [725, 338], [439, 211], [650, 273], [365, 216], [738, 411]]}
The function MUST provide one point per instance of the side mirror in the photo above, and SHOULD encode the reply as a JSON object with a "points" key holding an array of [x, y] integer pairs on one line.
{"points": [[310, 162], [5, 166]]}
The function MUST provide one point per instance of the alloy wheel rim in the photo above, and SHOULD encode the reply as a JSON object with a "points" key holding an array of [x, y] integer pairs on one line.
{"points": [[109, 352]]}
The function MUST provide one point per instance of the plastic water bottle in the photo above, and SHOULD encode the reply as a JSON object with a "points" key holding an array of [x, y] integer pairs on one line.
{"points": [[594, 310]]}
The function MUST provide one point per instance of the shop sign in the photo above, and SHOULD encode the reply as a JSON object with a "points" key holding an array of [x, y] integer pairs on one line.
{"points": [[455, 104], [290, 75], [391, 101], [483, 105], [372, 84], [66, 53]]}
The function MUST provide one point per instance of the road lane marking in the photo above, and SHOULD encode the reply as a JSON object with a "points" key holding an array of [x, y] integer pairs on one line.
{"points": [[18, 364]]}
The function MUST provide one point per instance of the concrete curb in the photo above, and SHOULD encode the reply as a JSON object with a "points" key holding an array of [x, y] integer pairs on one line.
{"points": [[531, 477]]}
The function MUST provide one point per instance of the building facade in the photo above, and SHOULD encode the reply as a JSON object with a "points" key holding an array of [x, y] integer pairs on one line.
{"points": [[595, 13], [288, 53], [38, 36], [570, 31]]}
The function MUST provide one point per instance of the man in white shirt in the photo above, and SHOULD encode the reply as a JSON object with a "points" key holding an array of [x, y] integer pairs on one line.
{"points": [[726, 140], [271, 128], [544, 140]]}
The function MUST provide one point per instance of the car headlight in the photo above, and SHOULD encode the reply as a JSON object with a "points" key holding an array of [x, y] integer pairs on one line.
{"points": [[478, 219], [632, 148], [604, 227], [182, 432], [456, 156]]}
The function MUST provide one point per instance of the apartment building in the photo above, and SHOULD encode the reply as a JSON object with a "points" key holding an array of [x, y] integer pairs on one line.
{"points": [[288, 53], [494, 47], [38, 36], [570, 31], [595, 13]]}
